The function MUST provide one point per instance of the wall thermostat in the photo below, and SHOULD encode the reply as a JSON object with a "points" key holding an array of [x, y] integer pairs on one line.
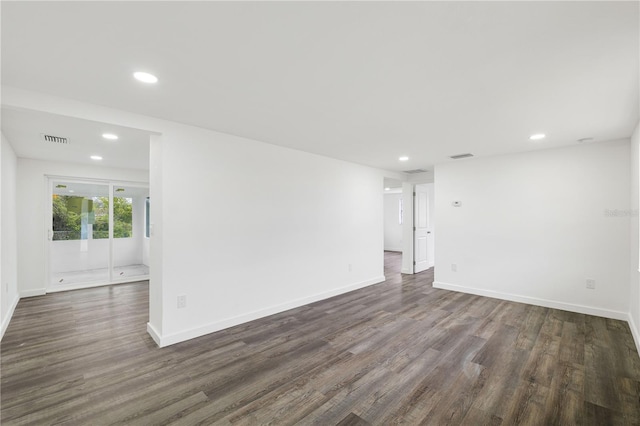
{"points": [[456, 203]]}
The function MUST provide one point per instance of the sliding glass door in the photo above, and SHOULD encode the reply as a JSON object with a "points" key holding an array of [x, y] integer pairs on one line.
{"points": [[130, 244], [97, 233]]}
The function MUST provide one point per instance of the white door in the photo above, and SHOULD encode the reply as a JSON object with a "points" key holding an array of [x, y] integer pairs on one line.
{"points": [[421, 228], [430, 227]]}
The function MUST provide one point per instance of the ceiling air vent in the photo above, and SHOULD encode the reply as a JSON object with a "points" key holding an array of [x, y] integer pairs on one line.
{"points": [[54, 139], [412, 172], [459, 156]]}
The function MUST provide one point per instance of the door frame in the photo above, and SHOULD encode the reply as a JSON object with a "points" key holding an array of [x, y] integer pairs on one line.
{"points": [[408, 237], [407, 227], [426, 228]]}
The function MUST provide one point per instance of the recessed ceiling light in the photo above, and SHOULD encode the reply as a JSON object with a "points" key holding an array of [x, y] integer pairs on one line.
{"points": [[96, 157], [386, 189], [537, 136], [145, 77], [71, 190], [403, 158], [110, 136]]}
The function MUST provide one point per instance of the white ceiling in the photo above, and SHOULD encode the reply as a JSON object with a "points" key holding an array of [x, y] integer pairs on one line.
{"points": [[24, 128], [360, 81]]}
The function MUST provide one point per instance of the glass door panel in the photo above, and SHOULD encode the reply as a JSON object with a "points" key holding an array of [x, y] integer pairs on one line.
{"points": [[130, 239], [79, 241]]}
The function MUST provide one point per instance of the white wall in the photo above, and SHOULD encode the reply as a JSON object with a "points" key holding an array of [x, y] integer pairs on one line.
{"points": [[392, 226], [266, 228], [260, 229], [33, 202], [532, 227], [634, 284], [9, 268]]}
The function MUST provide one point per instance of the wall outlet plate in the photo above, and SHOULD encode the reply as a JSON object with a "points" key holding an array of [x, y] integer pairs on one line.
{"points": [[182, 301]]}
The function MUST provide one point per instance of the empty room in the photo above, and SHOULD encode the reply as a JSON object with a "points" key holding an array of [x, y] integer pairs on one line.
{"points": [[329, 213]]}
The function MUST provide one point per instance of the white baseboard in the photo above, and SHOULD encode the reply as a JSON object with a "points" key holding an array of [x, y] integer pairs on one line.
{"points": [[33, 293], [7, 318], [154, 334], [406, 271], [634, 332], [581, 309], [393, 249], [181, 336]]}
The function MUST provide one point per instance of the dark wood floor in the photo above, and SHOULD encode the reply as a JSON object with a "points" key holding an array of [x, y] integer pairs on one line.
{"points": [[396, 352]]}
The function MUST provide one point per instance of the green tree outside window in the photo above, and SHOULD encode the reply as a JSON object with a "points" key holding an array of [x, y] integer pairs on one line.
{"points": [[71, 215]]}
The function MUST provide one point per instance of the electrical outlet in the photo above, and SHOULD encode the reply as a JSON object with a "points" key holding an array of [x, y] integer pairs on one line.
{"points": [[591, 284], [182, 301], [454, 267]]}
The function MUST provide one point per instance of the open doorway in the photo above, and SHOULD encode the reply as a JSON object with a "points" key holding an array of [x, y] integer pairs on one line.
{"points": [[418, 228], [92, 167], [393, 209]]}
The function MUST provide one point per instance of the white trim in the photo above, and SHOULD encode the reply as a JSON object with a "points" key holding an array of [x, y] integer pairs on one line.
{"points": [[634, 331], [76, 179], [80, 286], [406, 271], [110, 232], [154, 334], [48, 230], [396, 249], [131, 279], [7, 318], [581, 309], [181, 336], [33, 293]]}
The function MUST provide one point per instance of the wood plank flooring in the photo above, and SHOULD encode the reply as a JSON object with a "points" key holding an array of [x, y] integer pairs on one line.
{"points": [[400, 352]]}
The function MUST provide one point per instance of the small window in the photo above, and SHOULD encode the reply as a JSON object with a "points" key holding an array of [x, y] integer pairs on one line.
{"points": [[122, 217], [72, 217]]}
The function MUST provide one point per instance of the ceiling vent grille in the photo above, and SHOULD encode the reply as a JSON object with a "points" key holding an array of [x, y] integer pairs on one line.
{"points": [[414, 171], [55, 139], [459, 156]]}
